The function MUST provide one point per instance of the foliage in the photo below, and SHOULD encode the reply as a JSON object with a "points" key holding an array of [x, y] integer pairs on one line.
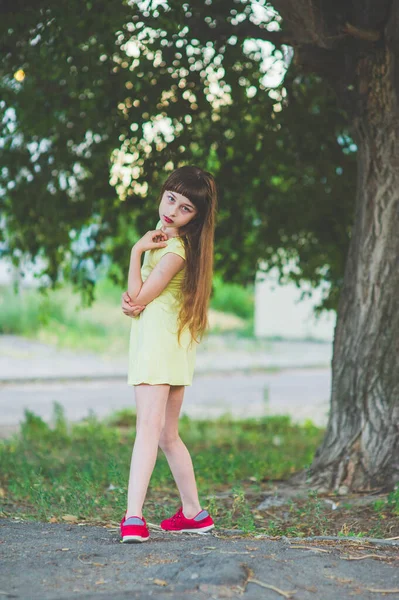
{"points": [[232, 298], [87, 90]]}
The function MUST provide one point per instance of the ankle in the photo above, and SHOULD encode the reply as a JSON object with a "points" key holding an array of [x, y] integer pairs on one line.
{"points": [[190, 511], [133, 514]]}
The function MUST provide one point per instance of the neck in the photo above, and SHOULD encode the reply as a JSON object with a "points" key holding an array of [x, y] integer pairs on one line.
{"points": [[170, 232]]}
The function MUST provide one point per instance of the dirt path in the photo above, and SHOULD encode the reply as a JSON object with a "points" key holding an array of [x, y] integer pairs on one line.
{"points": [[51, 561]]}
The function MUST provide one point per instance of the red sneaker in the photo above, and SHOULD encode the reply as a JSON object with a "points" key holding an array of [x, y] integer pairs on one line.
{"points": [[134, 529], [201, 523]]}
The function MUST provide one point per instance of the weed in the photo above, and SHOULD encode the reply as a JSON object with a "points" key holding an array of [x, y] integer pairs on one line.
{"points": [[311, 514], [240, 512], [346, 531]]}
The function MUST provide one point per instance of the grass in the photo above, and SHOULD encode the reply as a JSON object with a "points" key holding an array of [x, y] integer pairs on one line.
{"points": [[233, 298], [58, 318], [81, 469]]}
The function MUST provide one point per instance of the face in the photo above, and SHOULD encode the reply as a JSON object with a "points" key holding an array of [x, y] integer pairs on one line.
{"points": [[178, 208]]}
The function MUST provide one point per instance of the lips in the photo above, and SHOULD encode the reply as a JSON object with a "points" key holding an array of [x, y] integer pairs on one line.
{"points": [[167, 219]]}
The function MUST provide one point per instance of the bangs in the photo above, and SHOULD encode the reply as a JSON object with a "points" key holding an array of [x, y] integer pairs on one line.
{"points": [[187, 184]]}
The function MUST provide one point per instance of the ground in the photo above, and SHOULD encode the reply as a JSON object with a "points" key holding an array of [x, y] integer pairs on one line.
{"points": [[48, 561]]}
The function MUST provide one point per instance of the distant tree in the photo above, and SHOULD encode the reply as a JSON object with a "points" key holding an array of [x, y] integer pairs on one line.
{"points": [[82, 82]]}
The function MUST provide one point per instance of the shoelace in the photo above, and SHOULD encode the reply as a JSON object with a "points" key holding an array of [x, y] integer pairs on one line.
{"points": [[177, 517]]}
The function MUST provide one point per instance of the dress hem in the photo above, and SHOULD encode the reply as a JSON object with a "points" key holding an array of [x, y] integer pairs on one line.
{"points": [[158, 383]]}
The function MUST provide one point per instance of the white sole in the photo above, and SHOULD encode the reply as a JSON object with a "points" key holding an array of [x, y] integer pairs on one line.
{"points": [[131, 539], [202, 530]]}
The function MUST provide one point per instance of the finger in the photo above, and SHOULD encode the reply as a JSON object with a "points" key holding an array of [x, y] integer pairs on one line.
{"points": [[126, 306], [130, 303]]}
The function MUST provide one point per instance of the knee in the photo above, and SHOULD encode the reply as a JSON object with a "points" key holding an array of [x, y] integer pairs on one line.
{"points": [[149, 426], [167, 440]]}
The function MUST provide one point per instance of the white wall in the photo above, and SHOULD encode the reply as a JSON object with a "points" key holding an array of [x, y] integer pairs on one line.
{"points": [[279, 312]]}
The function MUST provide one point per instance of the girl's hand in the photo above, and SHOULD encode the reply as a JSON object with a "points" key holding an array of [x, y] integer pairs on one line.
{"points": [[155, 238], [130, 309]]}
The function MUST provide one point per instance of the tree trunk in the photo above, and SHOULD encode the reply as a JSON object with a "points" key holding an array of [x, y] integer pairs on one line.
{"points": [[361, 447]]}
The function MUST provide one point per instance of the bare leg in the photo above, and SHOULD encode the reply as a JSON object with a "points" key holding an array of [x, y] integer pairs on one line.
{"points": [[151, 403], [177, 455]]}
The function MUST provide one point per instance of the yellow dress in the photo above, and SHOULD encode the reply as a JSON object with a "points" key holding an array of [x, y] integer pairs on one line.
{"points": [[155, 356]]}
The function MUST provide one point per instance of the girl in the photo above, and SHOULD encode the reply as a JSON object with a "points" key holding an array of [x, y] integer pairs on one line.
{"points": [[168, 300]]}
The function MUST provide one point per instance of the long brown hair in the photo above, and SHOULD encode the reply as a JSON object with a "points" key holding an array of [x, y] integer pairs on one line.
{"points": [[198, 237]]}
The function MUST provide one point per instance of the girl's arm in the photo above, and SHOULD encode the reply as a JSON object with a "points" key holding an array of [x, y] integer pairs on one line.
{"points": [[143, 293], [130, 309], [135, 282]]}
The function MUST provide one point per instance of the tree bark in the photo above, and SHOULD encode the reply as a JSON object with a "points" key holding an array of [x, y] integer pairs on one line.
{"points": [[361, 447], [361, 43]]}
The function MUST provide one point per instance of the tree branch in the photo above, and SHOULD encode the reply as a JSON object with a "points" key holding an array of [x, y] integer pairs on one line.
{"points": [[369, 35], [248, 29]]}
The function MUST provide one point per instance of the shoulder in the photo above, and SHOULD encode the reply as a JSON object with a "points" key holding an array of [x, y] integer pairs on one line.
{"points": [[175, 245]]}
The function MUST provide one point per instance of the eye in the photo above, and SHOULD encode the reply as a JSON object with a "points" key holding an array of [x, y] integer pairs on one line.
{"points": [[170, 198]]}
